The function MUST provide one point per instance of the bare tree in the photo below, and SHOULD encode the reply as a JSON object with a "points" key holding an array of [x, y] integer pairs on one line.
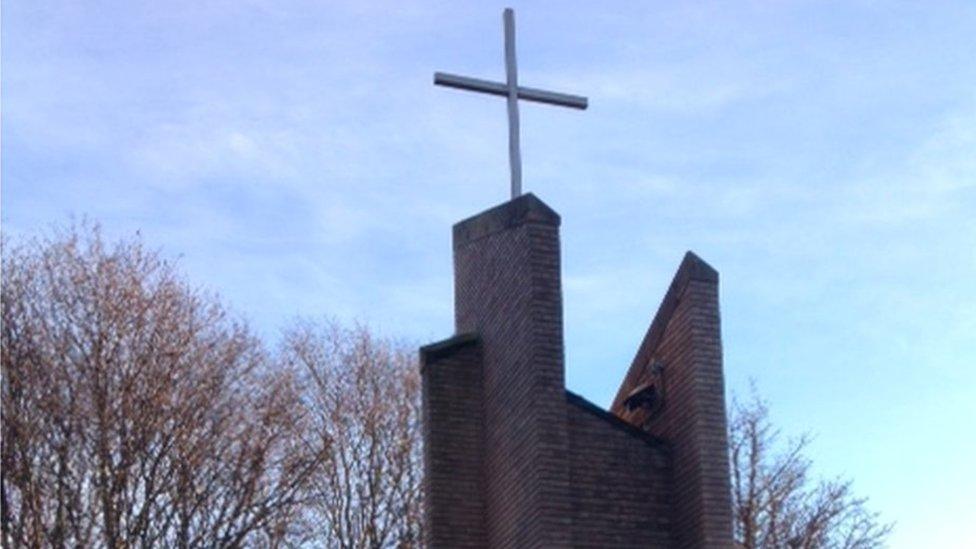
{"points": [[362, 395], [776, 503], [135, 412]]}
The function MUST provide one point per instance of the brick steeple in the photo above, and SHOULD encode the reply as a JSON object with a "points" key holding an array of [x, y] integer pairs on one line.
{"points": [[507, 291], [512, 459]]}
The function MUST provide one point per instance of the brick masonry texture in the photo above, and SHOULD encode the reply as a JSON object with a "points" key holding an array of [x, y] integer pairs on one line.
{"points": [[512, 459], [619, 477], [453, 450], [685, 339], [507, 290]]}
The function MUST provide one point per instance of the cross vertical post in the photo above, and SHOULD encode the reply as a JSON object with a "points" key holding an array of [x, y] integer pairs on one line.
{"points": [[512, 92], [511, 79]]}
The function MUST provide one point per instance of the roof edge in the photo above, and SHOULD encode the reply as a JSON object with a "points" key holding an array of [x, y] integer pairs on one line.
{"points": [[439, 350], [527, 208], [613, 420]]}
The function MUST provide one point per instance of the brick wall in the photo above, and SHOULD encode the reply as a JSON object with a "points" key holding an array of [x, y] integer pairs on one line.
{"points": [[685, 339], [514, 460], [507, 290], [454, 506], [620, 481]]}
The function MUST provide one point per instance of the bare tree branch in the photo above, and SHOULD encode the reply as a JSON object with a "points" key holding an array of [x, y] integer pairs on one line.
{"points": [[135, 412], [363, 397], [775, 503]]}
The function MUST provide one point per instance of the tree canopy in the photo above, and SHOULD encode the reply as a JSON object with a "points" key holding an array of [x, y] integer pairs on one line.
{"points": [[138, 412]]}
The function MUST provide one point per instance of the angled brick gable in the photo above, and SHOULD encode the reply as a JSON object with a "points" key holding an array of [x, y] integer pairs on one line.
{"points": [[681, 355]]}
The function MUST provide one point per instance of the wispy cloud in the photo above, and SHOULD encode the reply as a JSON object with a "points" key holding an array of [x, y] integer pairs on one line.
{"points": [[298, 158]]}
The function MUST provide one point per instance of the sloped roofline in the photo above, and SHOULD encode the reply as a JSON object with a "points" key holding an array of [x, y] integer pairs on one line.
{"points": [[692, 268], [613, 420]]}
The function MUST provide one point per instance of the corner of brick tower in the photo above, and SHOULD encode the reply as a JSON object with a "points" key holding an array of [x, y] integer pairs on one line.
{"points": [[509, 385], [681, 356]]}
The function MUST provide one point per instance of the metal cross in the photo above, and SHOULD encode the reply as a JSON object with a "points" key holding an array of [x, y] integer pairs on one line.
{"points": [[513, 92]]}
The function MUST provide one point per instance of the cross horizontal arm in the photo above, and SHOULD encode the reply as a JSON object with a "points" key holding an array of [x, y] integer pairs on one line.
{"points": [[497, 88]]}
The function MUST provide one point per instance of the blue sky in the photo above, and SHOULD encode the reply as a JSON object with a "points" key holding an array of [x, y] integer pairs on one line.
{"points": [[296, 157]]}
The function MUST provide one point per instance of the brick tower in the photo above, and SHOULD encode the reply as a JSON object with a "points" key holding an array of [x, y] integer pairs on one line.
{"points": [[513, 459]]}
